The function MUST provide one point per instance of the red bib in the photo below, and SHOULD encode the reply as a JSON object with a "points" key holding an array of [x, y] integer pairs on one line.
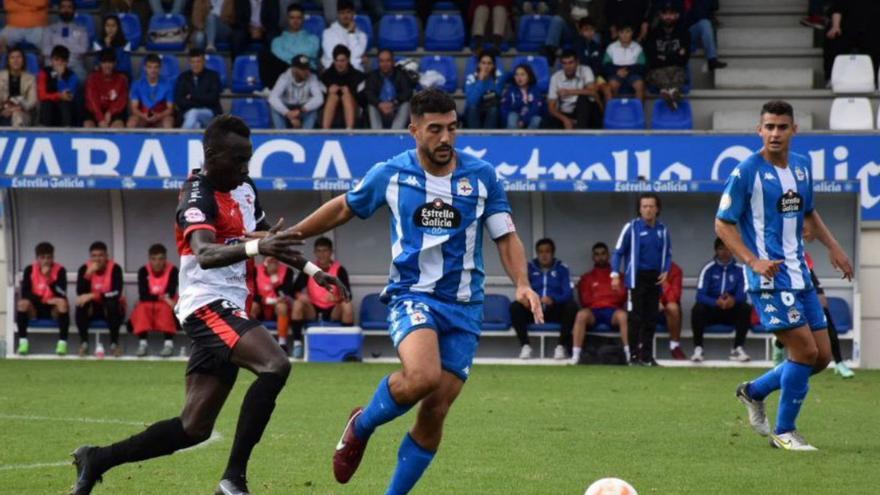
{"points": [[321, 297], [159, 283], [266, 288], [41, 285], [102, 282]]}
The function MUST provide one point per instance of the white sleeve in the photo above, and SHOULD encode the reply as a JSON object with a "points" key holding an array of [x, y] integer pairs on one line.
{"points": [[277, 91], [500, 224]]}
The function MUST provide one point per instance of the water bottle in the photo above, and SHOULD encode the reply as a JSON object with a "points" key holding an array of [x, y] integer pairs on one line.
{"points": [[99, 351]]}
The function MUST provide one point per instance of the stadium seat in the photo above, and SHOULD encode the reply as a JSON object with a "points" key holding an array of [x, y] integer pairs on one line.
{"points": [[399, 4], [624, 113], [539, 65], [88, 22], [366, 25], [444, 32], [496, 312], [170, 67], [399, 32], [444, 65], [532, 32], [166, 24], [665, 118], [851, 114], [314, 24], [217, 63], [852, 74], [131, 28], [374, 313], [246, 74], [444, 6], [254, 111], [470, 67], [840, 314], [545, 327], [86, 4]]}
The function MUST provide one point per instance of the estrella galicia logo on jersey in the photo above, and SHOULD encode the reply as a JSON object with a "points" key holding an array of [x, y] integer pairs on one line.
{"points": [[437, 216], [793, 315], [790, 203]]}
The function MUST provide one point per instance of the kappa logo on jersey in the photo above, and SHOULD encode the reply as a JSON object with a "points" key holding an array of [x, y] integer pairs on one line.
{"points": [[766, 295], [769, 176], [800, 174], [790, 203], [464, 187], [194, 215], [736, 173], [412, 181], [437, 216], [769, 308], [775, 321], [793, 315]]}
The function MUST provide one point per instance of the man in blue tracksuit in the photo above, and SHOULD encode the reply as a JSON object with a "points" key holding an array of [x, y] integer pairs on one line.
{"points": [[644, 253], [551, 279], [721, 298]]}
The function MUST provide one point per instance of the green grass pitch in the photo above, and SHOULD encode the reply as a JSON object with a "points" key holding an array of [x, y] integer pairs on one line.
{"points": [[514, 430]]}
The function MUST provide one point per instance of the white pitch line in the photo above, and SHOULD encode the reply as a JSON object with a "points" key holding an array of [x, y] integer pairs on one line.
{"points": [[39, 465]]}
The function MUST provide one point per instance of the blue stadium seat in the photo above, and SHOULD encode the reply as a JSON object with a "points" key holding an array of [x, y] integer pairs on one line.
{"points": [[444, 65], [315, 24], [254, 111], [165, 23], [470, 67], [444, 6], [496, 312], [246, 74], [539, 65], [374, 313], [217, 64], [624, 113], [665, 118], [399, 4], [532, 32], [840, 314], [131, 28], [170, 67], [366, 25], [31, 62], [86, 4], [123, 63], [399, 32], [444, 32], [88, 22]]}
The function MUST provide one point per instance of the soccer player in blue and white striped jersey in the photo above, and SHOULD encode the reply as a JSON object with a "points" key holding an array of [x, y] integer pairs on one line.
{"points": [[769, 196], [440, 200]]}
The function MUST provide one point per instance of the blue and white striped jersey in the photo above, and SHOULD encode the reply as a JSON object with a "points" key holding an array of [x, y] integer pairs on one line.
{"points": [[769, 204], [436, 223]]}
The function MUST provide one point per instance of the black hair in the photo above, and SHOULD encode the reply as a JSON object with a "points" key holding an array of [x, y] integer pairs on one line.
{"points": [[157, 249], [623, 27], [297, 7], [98, 246], [60, 51], [219, 128], [718, 243], [568, 53], [385, 50], [107, 55], [118, 40], [529, 72], [71, 1], [431, 100], [648, 195], [344, 5], [20, 51], [323, 242], [778, 107], [599, 245], [196, 52], [341, 50], [152, 57], [548, 241], [586, 21], [44, 247]]}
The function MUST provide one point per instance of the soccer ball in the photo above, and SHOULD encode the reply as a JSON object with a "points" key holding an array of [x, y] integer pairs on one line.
{"points": [[611, 486]]}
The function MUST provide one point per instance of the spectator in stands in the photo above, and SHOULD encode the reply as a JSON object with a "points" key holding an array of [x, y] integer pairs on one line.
{"points": [[816, 15], [252, 22], [601, 303], [345, 87], [25, 22], [668, 46], [721, 299], [571, 101], [853, 30], [482, 92], [18, 91], [670, 308], [522, 105], [274, 296], [159, 7], [69, 34], [157, 291], [388, 91], [563, 25], [643, 252], [99, 297], [152, 97], [526, 7], [106, 94], [481, 13], [197, 92], [425, 7], [43, 296], [624, 64], [315, 302], [550, 278], [588, 48], [630, 13], [212, 21], [113, 37], [297, 96], [140, 8], [697, 18], [346, 33], [295, 41], [374, 8], [56, 89]]}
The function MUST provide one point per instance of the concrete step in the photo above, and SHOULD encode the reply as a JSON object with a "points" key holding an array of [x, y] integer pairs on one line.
{"points": [[753, 78], [759, 20], [747, 120], [767, 39]]}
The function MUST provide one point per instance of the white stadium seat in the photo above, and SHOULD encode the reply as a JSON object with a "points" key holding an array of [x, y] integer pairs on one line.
{"points": [[851, 114], [852, 74]]}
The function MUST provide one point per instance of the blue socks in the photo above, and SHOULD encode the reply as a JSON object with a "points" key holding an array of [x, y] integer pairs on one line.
{"points": [[795, 384], [412, 460], [766, 384], [381, 409]]}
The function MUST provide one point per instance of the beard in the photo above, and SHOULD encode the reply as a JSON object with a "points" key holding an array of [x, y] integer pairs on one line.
{"points": [[432, 155]]}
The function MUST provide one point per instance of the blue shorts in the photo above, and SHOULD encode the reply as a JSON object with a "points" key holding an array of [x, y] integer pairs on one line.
{"points": [[603, 318], [457, 327], [785, 310]]}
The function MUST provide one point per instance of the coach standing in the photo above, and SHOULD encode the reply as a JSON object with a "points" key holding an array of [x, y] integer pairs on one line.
{"points": [[644, 250]]}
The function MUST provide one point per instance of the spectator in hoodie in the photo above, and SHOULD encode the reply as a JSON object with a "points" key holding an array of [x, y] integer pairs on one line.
{"points": [[345, 88], [56, 89], [152, 98], [624, 65], [69, 34], [482, 91], [587, 46], [106, 94], [572, 99], [197, 93], [551, 279], [346, 33], [668, 46], [522, 105], [18, 91], [697, 18], [388, 91], [113, 37], [295, 41], [297, 96]]}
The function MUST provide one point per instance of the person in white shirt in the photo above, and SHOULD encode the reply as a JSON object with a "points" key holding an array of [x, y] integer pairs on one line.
{"points": [[624, 66], [296, 96], [572, 98], [344, 32]]}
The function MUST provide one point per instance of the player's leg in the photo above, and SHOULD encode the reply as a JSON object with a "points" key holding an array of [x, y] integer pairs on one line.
{"points": [[331, 106], [569, 312], [672, 311], [83, 317], [649, 325], [620, 320], [520, 317], [113, 314], [582, 321], [302, 311], [343, 312], [61, 313], [282, 319], [794, 379], [24, 312], [701, 316], [740, 316]]}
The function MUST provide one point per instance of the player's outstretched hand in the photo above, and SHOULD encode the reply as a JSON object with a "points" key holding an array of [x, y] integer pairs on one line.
{"points": [[280, 245], [328, 282], [766, 268], [529, 298], [264, 233], [840, 262]]}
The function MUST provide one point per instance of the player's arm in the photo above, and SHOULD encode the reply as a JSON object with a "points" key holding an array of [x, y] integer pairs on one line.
{"points": [[329, 216], [839, 259], [513, 258], [210, 254], [731, 237]]}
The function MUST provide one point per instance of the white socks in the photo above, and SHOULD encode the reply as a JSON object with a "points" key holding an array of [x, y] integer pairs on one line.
{"points": [[575, 353], [673, 345]]}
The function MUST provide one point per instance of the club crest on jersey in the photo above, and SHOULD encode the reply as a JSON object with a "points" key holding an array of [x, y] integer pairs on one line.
{"points": [[793, 315], [437, 216], [194, 215], [418, 318], [790, 203], [725, 202], [800, 174], [464, 187]]}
